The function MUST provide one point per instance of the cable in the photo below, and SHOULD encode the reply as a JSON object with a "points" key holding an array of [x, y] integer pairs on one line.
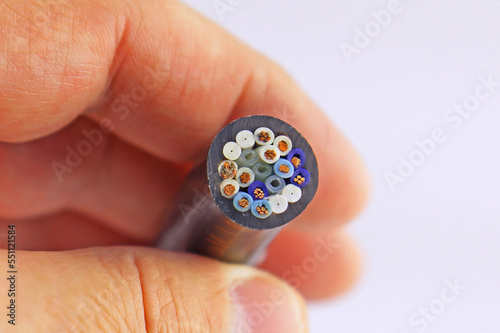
{"points": [[260, 173]]}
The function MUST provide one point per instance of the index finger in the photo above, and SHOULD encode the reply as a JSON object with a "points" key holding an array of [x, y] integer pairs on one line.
{"points": [[164, 78]]}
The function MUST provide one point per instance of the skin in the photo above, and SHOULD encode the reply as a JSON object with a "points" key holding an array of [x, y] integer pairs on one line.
{"points": [[166, 80]]}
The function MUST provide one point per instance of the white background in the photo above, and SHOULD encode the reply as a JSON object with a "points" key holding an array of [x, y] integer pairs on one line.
{"points": [[443, 222]]}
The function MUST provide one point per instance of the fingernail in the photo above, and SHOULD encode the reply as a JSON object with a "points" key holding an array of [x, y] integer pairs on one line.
{"points": [[265, 305]]}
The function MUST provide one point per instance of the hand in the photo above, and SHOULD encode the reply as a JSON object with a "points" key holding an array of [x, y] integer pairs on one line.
{"points": [[103, 105]]}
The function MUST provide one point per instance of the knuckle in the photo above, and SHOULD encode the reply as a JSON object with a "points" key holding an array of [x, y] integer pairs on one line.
{"points": [[97, 291], [117, 305], [144, 293], [172, 304]]}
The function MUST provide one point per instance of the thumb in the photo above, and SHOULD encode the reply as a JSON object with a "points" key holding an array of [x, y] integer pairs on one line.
{"points": [[125, 289]]}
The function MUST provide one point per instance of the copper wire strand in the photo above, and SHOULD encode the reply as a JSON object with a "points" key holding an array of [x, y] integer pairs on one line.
{"points": [[229, 190], [296, 161], [259, 193], [245, 177], [262, 210], [228, 170], [283, 146], [264, 136], [283, 168], [243, 202], [270, 154], [299, 179]]}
